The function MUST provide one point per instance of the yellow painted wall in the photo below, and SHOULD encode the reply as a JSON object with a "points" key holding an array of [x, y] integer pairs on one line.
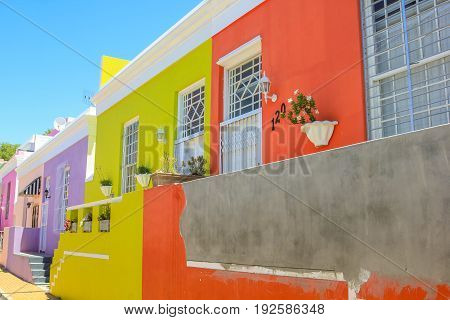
{"points": [[110, 67], [156, 105]]}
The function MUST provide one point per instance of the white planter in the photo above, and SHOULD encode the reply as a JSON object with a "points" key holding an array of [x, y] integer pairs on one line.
{"points": [[319, 132], [87, 226], [73, 227], [143, 179], [106, 190], [104, 225]]}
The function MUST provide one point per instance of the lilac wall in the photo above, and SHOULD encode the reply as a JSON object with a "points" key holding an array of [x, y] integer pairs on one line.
{"points": [[10, 177], [75, 157]]}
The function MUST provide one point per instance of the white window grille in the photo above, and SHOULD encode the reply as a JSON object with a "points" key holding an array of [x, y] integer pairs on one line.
{"points": [[241, 131], [243, 90], [407, 81], [130, 152], [191, 112], [62, 200]]}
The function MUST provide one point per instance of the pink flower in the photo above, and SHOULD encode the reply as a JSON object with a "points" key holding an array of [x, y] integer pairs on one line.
{"points": [[317, 111], [296, 92]]}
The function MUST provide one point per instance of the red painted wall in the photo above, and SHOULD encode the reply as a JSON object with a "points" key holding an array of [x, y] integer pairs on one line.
{"points": [[314, 46], [166, 276], [379, 287]]}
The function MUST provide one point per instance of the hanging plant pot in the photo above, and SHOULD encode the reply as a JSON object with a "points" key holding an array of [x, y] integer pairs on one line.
{"points": [[143, 179], [106, 190], [319, 132]]}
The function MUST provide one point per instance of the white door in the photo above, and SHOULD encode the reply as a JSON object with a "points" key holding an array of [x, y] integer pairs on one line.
{"points": [[43, 230], [241, 142]]}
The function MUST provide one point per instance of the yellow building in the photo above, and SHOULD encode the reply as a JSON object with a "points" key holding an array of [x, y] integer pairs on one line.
{"points": [[136, 124]]}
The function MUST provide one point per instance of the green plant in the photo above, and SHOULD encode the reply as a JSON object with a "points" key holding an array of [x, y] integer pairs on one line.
{"points": [[7, 150], [106, 182], [143, 170], [303, 109], [196, 166], [88, 217], [168, 163], [105, 213]]}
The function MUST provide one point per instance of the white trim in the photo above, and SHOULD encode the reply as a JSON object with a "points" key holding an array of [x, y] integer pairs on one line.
{"points": [[242, 116], [199, 25], [131, 121], [74, 132], [296, 273], [243, 53], [193, 86], [414, 65], [87, 255], [95, 203]]}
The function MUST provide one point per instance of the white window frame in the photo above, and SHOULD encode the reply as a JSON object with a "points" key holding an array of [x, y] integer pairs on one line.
{"points": [[182, 142], [237, 57], [125, 188], [65, 187]]}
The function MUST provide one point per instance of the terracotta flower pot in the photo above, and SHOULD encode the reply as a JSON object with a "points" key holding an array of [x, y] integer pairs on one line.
{"points": [[161, 179]]}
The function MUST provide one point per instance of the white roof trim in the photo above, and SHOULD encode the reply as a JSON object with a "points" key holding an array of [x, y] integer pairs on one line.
{"points": [[243, 53], [199, 25], [73, 133]]}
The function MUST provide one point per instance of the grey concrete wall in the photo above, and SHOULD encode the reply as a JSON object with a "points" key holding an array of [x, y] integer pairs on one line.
{"points": [[382, 205]]}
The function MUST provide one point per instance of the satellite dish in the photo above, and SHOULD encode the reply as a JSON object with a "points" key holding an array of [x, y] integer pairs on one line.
{"points": [[59, 123]]}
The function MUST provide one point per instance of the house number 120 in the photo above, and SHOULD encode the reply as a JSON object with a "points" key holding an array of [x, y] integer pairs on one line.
{"points": [[278, 113]]}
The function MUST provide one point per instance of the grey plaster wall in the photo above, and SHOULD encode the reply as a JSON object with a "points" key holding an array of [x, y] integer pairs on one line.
{"points": [[382, 205]]}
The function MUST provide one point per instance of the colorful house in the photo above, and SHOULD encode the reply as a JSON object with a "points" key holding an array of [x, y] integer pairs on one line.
{"points": [[9, 194], [216, 84], [46, 180], [136, 130]]}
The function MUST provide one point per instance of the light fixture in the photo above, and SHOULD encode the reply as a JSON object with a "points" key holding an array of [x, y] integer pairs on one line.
{"points": [[265, 88], [161, 135], [47, 194], [28, 204]]}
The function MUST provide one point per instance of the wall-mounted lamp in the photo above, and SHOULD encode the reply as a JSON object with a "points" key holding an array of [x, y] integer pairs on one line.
{"points": [[161, 135], [265, 88], [47, 194], [28, 204]]}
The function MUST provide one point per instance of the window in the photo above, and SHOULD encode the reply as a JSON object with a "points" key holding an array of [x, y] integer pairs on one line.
{"points": [[191, 114], [240, 133], [65, 197], [243, 90], [404, 97], [8, 199], [129, 161], [35, 217]]}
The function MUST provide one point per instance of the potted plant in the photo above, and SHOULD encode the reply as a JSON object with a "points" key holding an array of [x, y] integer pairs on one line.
{"points": [[196, 166], [86, 223], [143, 176], [104, 218], [168, 174], [106, 187], [303, 111], [73, 225]]}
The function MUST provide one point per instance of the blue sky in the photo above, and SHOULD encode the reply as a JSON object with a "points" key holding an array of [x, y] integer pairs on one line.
{"points": [[40, 79]]}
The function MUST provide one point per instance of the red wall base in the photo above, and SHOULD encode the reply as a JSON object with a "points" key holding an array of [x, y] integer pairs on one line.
{"points": [[166, 275]]}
